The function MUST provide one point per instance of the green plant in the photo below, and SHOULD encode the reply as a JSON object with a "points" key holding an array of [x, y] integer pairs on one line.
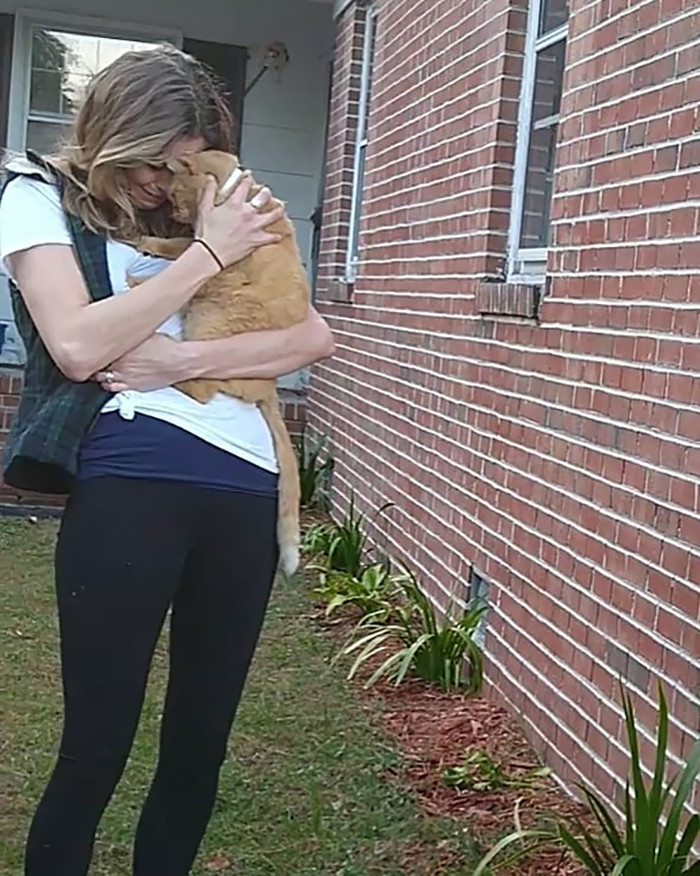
{"points": [[316, 540], [478, 771], [342, 546], [371, 592], [418, 641], [346, 552], [314, 468], [652, 842]]}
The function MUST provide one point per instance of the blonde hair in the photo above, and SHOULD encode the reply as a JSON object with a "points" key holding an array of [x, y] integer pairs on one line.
{"points": [[132, 112]]}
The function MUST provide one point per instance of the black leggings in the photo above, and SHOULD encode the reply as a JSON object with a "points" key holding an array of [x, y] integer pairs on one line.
{"points": [[129, 549]]}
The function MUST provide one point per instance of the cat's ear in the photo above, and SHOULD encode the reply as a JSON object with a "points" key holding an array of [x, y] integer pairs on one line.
{"points": [[179, 165]]}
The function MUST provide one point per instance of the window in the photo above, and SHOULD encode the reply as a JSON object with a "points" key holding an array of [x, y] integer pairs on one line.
{"points": [[55, 56], [538, 123], [60, 66], [41, 81], [361, 144]]}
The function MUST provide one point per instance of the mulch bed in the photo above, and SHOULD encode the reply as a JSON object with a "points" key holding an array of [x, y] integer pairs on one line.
{"points": [[433, 731]]}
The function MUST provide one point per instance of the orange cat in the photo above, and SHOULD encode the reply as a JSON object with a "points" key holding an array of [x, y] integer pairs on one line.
{"points": [[266, 290]]}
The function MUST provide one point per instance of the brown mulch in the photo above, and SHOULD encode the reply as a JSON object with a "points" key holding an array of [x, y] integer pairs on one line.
{"points": [[436, 729], [433, 731], [312, 516]]}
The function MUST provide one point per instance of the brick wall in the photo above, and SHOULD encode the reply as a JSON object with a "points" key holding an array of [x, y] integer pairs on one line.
{"points": [[560, 455]]}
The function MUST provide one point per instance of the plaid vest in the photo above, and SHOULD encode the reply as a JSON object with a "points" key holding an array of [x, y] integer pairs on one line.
{"points": [[54, 414]]}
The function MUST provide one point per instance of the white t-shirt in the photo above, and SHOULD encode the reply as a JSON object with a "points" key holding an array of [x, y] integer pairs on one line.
{"points": [[31, 215]]}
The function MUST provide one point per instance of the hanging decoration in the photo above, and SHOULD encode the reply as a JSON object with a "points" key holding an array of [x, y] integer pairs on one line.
{"points": [[276, 58]]}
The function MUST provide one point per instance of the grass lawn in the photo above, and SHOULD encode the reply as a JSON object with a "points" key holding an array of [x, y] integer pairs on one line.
{"points": [[305, 789]]}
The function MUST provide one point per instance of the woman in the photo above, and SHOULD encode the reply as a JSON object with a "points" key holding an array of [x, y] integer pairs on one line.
{"points": [[172, 503]]}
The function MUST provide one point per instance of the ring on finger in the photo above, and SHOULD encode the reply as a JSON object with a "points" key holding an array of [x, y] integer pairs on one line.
{"points": [[109, 377], [262, 197]]}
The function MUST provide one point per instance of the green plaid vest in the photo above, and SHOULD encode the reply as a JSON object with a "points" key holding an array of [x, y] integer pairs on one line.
{"points": [[54, 414]]}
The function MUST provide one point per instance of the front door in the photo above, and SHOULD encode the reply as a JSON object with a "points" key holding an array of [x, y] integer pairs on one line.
{"points": [[229, 64]]}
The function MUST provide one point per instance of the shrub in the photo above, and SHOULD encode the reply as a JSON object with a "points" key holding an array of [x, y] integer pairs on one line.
{"points": [[314, 469], [478, 771], [341, 547], [418, 641], [371, 592], [316, 540], [652, 842]]}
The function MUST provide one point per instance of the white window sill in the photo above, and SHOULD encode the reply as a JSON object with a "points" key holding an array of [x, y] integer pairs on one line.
{"points": [[527, 279]]}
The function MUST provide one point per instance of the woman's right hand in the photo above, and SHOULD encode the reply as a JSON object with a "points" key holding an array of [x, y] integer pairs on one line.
{"points": [[236, 228]]}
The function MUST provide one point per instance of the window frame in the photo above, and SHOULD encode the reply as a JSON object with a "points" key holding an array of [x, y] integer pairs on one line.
{"points": [[361, 144], [528, 265], [26, 20]]}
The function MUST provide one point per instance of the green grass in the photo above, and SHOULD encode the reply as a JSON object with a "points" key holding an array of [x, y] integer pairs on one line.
{"points": [[305, 789]]}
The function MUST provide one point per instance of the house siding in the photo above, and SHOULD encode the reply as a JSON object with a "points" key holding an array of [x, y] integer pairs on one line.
{"points": [[559, 455]]}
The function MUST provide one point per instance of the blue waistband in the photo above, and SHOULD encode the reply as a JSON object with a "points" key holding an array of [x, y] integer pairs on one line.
{"points": [[146, 447]]}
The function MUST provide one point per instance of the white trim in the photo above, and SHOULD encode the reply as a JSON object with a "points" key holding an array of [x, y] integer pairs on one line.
{"points": [[360, 145], [528, 265], [551, 37], [49, 118], [26, 19], [527, 94], [546, 122], [340, 6], [96, 26]]}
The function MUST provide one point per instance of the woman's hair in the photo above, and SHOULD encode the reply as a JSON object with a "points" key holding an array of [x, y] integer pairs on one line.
{"points": [[132, 112]]}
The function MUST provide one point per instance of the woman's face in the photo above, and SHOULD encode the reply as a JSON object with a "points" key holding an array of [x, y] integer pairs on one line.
{"points": [[148, 186]]}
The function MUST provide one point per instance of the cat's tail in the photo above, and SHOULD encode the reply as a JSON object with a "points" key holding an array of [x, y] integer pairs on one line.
{"points": [[289, 492]]}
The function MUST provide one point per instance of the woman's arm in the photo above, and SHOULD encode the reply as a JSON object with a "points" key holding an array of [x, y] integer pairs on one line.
{"points": [[83, 336], [262, 355], [160, 361]]}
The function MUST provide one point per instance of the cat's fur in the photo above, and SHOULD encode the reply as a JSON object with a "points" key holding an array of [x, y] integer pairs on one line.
{"points": [[266, 290]]}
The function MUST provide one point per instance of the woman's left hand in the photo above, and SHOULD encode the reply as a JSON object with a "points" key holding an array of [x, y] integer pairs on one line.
{"points": [[154, 364]]}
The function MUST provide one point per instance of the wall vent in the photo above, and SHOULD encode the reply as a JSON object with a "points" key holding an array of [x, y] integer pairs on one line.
{"points": [[479, 588]]}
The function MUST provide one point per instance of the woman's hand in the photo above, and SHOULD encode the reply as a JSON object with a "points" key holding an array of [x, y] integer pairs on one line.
{"points": [[154, 364], [236, 228], [161, 361]]}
